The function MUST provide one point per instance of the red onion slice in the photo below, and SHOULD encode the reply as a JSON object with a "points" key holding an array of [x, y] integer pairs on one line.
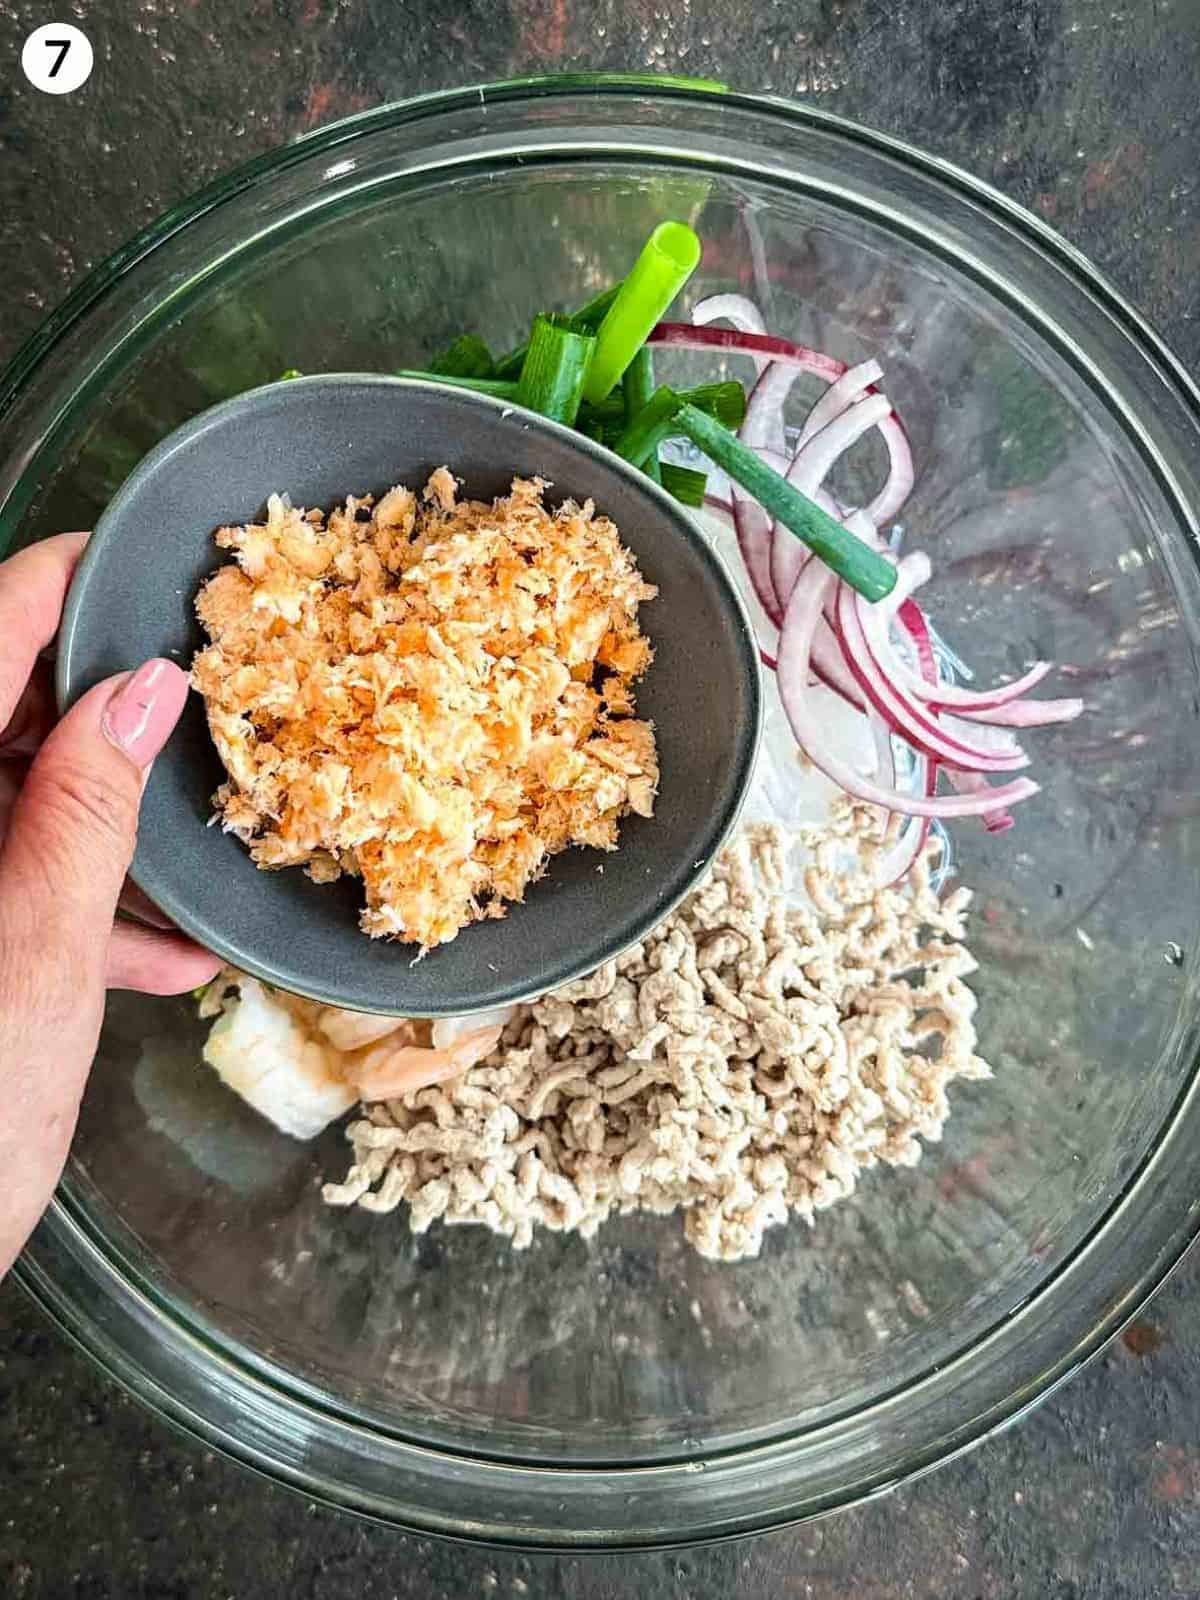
{"points": [[753, 527], [683, 336], [984, 706], [718, 511], [826, 633], [736, 308], [904, 715], [971, 783], [829, 666], [762, 428], [792, 674], [809, 469], [839, 396], [912, 619], [899, 860], [901, 474], [1026, 713]]}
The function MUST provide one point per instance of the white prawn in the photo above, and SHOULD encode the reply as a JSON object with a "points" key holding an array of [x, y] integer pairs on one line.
{"points": [[303, 1065]]}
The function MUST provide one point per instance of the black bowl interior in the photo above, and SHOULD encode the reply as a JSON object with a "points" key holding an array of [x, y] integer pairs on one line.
{"points": [[319, 439]]}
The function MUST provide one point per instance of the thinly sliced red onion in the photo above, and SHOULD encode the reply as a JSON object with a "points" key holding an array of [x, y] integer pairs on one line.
{"points": [[828, 660], [1026, 713], [762, 430], [753, 527], [736, 308], [792, 674], [839, 396], [971, 783], [899, 860], [912, 571], [1001, 741], [901, 473], [683, 336], [721, 508], [766, 629], [994, 706], [912, 619], [829, 667], [809, 469], [762, 427], [829, 635], [904, 715]]}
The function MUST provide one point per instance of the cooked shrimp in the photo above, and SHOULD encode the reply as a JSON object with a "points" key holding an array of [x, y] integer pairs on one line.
{"points": [[354, 1030], [387, 1069], [263, 1051]]}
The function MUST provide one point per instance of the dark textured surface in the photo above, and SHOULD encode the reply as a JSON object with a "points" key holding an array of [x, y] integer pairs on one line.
{"points": [[702, 693], [1086, 112]]}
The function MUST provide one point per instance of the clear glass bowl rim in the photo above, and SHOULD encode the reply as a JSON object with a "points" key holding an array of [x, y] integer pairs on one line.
{"points": [[129, 1330]]}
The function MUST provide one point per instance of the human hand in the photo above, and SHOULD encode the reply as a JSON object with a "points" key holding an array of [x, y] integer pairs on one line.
{"points": [[69, 798]]}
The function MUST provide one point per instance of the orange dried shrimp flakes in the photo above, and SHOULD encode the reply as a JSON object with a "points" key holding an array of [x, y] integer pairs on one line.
{"points": [[434, 695]]}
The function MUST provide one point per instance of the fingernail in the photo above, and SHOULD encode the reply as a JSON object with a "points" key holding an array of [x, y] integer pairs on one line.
{"points": [[144, 709]]}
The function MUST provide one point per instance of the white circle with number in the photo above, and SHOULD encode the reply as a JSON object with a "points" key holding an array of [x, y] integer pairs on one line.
{"points": [[57, 58]]}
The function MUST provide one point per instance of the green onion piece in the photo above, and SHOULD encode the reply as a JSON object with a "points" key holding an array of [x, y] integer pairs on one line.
{"points": [[724, 401], [607, 412], [555, 369], [668, 259], [864, 569], [637, 386], [494, 386], [688, 487], [655, 422], [290, 372], [586, 320], [597, 428], [637, 390], [589, 317], [467, 357]]}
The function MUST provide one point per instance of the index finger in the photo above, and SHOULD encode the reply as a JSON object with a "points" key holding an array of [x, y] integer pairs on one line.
{"points": [[33, 587]]}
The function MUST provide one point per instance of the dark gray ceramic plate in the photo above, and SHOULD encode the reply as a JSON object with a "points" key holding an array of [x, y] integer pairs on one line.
{"points": [[319, 439]]}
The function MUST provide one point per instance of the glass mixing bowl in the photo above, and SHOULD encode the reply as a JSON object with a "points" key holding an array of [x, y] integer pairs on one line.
{"points": [[627, 1391]]}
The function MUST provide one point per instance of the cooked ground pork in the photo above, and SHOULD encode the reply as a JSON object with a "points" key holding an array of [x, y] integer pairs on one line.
{"points": [[743, 1063], [434, 695]]}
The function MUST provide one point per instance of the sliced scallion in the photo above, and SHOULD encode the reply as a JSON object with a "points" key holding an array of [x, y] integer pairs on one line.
{"points": [[726, 402], [637, 390], [687, 485], [668, 259], [864, 569], [467, 357], [655, 422], [589, 316], [555, 369], [502, 388], [586, 320]]}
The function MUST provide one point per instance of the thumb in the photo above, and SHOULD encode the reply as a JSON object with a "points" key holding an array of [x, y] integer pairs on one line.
{"points": [[73, 829]]}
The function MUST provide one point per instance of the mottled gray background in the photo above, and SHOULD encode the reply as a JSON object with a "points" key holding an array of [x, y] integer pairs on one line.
{"points": [[1084, 111]]}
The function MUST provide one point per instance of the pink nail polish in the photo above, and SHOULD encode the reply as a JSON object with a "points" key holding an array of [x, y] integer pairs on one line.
{"points": [[139, 717]]}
